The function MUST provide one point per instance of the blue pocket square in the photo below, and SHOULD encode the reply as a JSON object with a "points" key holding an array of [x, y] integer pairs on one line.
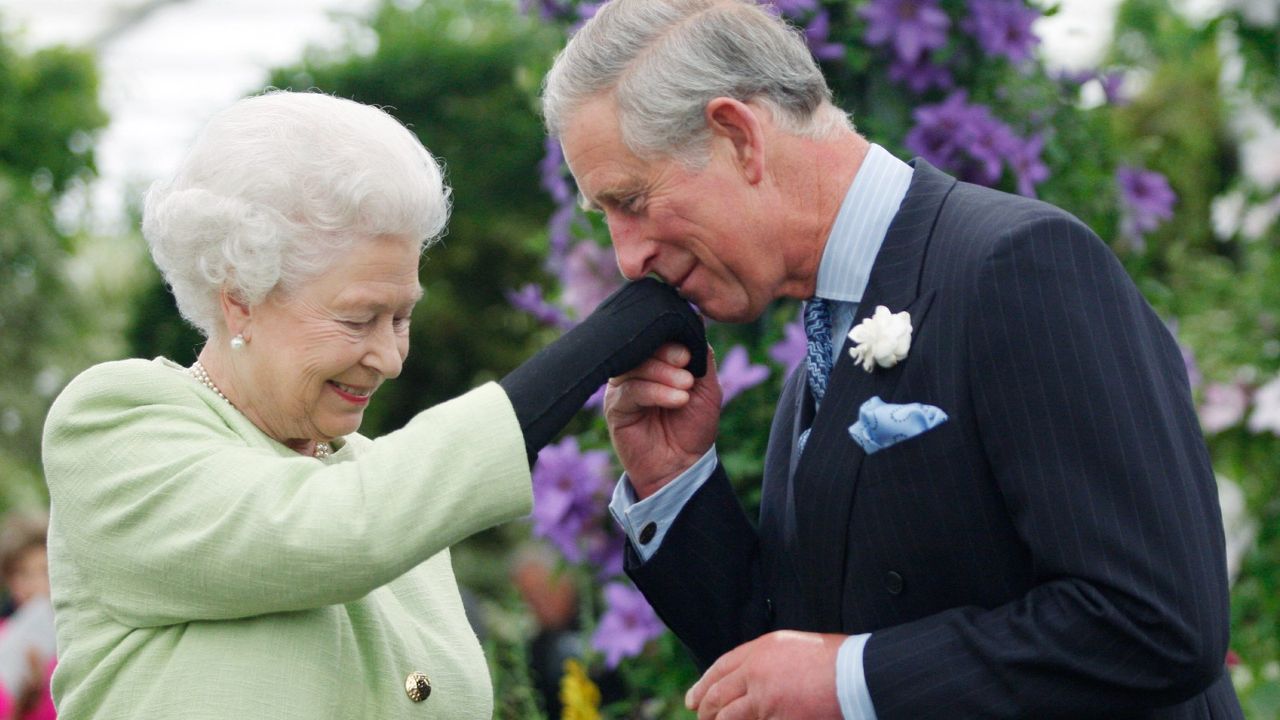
{"points": [[881, 424]]}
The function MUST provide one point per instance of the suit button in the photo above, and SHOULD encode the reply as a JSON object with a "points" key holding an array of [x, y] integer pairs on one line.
{"points": [[647, 533], [417, 686], [769, 612], [893, 583]]}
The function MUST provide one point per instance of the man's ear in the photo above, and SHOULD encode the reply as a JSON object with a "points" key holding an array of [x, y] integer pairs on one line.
{"points": [[740, 124], [236, 314]]}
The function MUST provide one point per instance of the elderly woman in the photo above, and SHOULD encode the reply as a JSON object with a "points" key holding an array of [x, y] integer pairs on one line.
{"points": [[223, 543]]}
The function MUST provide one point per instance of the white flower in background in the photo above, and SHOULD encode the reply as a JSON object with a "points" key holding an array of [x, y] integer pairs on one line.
{"points": [[1259, 218], [1231, 214], [1226, 212], [1224, 406], [1266, 408], [1259, 146], [882, 339], [1258, 13], [1239, 525]]}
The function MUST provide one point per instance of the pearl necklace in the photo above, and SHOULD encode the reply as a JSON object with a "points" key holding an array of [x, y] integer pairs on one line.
{"points": [[323, 449]]}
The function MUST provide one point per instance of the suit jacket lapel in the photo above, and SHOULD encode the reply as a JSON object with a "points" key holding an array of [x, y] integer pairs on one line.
{"points": [[826, 474]]}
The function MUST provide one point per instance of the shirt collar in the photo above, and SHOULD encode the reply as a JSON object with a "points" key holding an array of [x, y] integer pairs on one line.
{"points": [[863, 221]]}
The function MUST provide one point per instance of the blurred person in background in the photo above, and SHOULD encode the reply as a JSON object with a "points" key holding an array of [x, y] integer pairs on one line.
{"points": [[553, 601], [26, 657], [224, 543]]}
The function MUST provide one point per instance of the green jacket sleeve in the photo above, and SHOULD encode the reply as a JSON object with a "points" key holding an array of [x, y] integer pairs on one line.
{"points": [[175, 510]]}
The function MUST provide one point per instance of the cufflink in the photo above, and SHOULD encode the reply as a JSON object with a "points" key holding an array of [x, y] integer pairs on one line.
{"points": [[647, 532]]}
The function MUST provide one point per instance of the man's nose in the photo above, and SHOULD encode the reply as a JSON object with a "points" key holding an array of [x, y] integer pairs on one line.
{"points": [[636, 255]]}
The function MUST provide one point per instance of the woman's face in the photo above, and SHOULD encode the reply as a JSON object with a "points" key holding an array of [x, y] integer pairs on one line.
{"points": [[315, 356]]}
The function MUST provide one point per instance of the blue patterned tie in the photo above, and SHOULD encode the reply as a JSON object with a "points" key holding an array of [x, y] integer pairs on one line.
{"points": [[817, 328]]}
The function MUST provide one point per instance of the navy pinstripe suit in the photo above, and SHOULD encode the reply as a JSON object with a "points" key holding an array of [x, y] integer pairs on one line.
{"points": [[1054, 550]]}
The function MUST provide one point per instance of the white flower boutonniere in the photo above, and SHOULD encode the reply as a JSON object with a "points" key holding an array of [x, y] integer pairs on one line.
{"points": [[882, 339]]}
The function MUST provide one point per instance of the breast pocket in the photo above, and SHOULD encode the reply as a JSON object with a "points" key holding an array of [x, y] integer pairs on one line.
{"points": [[919, 456]]}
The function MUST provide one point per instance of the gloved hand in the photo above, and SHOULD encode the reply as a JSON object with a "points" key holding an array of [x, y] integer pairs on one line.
{"points": [[624, 331]]}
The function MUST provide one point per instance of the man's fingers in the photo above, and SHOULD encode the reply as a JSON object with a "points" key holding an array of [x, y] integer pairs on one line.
{"points": [[675, 354], [634, 395], [719, 669], [727, 690], [742, 708], [659, 371]]}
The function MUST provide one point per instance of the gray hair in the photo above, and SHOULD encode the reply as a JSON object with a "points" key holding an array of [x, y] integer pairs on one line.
{"points": [[276, 189], [664, 60]]}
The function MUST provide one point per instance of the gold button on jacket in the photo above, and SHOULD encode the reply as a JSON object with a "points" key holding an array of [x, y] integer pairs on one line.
{"points": [[418, 686]]}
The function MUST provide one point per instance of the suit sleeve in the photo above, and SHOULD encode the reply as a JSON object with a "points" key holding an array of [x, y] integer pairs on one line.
{"points": [[1111, 491], [170, 517], [705, 580]]}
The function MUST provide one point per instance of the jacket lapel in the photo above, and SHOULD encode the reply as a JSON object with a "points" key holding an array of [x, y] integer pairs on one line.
{"points": [[826, 474]]}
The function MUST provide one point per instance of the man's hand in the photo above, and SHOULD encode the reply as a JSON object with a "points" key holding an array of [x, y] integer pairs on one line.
{"points": [[785, 674], [661, 418]]}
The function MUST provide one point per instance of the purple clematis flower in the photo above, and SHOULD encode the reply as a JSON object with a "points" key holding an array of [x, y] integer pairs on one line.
{"points": [[1076, 77], [792, 8], [560, 233], [605, 551], [548, 9], [921, 75], [627, 624], [987, 142], [585, 12], [912, 27], [570, 491], [938, 129], [1003, 27], [1113, 87], [596, 401], [589, 274], [552, 172], [965, 139], [791, 350], [1148, 200], [1027, 164], [818, 33], [529, 299], [737, 374]]}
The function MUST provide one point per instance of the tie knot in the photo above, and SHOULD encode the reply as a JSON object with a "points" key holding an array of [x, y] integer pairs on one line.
{"points": [[817, 329], [817, 320]]}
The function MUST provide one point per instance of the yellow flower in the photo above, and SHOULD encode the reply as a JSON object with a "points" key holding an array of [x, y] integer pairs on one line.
{"points": [[579, 696]]}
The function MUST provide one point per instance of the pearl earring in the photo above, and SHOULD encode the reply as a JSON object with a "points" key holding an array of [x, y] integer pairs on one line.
{"points": [[237, 342]]}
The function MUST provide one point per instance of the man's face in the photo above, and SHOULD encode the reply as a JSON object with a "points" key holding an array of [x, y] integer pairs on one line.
{"points": [[706, 232]]}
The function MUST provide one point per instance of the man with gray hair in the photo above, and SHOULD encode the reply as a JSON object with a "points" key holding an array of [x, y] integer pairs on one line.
{"points": [[991, 500]]}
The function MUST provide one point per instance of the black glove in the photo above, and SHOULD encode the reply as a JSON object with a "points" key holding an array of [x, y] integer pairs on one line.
{"points": [[624, 331]]}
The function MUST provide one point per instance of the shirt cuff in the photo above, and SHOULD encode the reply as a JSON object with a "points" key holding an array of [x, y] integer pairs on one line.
{"points": [[851, 680], [646, 521]]}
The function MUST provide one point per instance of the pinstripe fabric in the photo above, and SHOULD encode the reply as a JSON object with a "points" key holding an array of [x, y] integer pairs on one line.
{"points": [[1055, 550]]}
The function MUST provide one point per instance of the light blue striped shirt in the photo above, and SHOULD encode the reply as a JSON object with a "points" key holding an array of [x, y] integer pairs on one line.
{"points": [[859, 229]]}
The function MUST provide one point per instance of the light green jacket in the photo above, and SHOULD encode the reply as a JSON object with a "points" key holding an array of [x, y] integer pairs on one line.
{"points": [[202, 570]]}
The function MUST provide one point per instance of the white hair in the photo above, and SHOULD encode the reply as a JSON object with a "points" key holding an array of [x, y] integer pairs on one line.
{"points": [[275, 190], [664, 60]]}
